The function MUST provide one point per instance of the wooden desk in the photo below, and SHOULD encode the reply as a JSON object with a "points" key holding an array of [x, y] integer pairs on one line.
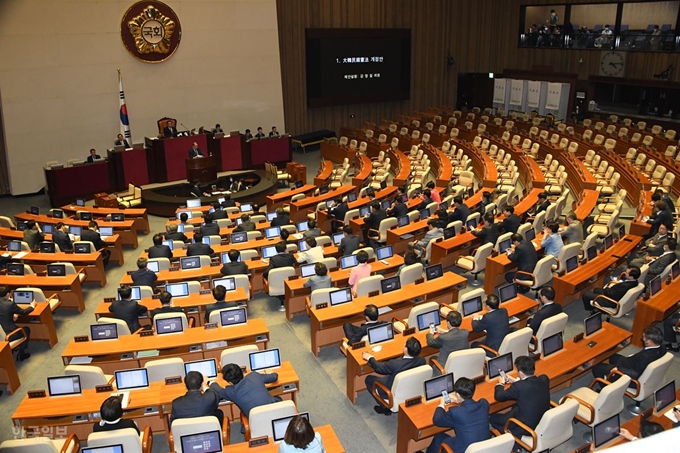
{"points": [[656, 308], [180, 275], [8, 368], [277, 200], [138, 215], [323, 220], [336, 153], [330, 440], [92, 263], [400, 166], [417, 229], [497, 266], [325, 172], [300, 208], [297, 299], [193, 305], [41, 323], [358, 368], [637, 225], [447, 251], [106, 354], [362, 170], [415, 426], [68, 288], [326, 324], [569, 287]]}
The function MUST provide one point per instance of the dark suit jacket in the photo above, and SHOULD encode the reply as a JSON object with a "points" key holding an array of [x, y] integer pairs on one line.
{"points": [[160, 251], [461, 213], [62, 240], [618, 290], [453, 340], [195, 152], [542, 207], [218, 306], [374, 219], [663, 216], [339, 211], [496, 325], [511, 223], [7, 311], [94, 237], [210, 229], [470, 420], [532, 395], [165, 309], [169, 132], [280, 260], [544, 313], [129, 311], [245, 226], [525, 255], [423, 204], [635, 365], [219, 214], [144, 277], [393, 367], [250, 392], [177, 236], [199, 249], [657, 266], [194, 404], [349, 244], [33, 238], [196, 191], [283, 219], [123, 142], [234, 268], [91, 158], [399, 210], [488, 234], [363, 330], [657, 248]]}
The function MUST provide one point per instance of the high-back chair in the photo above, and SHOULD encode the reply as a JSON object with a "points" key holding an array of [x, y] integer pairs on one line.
{"points": [[548, 327], [407, 384], [541, 275], [409, 274], [159, 369], [500, 444], [516, 342], [259, 421], [649, 382], [369, 284], [568, 251], [475, 263], [275, 282], [127, 437], [468, 363], [90, 376], [196, 425], [70, 444], [240, 355], [555, 428], [400, 325], [121, 325], [621, 307]]}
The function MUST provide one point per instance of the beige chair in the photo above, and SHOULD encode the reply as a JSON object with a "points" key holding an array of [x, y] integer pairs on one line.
{"points": [[121, 325], [90, 376], [549, 327], [274, 285], [606, 227], [407, 384], [516, 342], [380, 235], [400, 325], [445, 309], [320, 296], [500, 444], [13, 344], [259, 421], [127, 437], [160, 369], [568, 251], [71, 270], [70, 444], [409, 274], [475, 263], [163, 263], [196, 425], [623, 306], [186, 322], [368, 285], [468, 363], [554, 429], [133, 200], [39, 296], [649, 381], [541, 275], [240, 355]]}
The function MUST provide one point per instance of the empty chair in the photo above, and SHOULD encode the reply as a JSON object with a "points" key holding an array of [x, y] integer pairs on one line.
{"points": [[159, 369], [400, 325], [367, 285], [121, 325], [475, 263], [126, 437], [568, 251], [516, 342], [196, 425], [554, 429], [550, 326], [407, 384], [90, 376], [70, 444], [468, 363], [410, 274], [500, 444], [240, 355]]}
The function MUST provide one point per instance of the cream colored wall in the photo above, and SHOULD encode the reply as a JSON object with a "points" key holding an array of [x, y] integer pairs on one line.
{"points": [[59, 85]]}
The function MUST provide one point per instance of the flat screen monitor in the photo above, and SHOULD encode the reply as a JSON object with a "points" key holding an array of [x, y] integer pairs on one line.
{"points": [[302, 245], [268, 252], [471, 224], [593, 324], [424, 214], [239, 221], [385, 204], [272, 232], [57, 213], [105, 231], [383, 184], [35, 210], [208, 367], [240, 237], [262, 360], [384, 253], [229, 283], [436, 386], [180, 227], [56, 270], [80, 202], [194, 203], [153, 266], [507, 292], [22, 297], [302, 226], [280, 425], [504, 245], [370, 192], [132, 379], [341, 296], [164, 326], [46, 247], [233, 316], [64, 385], [444, 205], [675, 269], [664, 397], [85, 216], [103, 331], [190, 215], [206, 240], [605, 431], [136, 293], [245, 207], [178, 289], [15, 269], [434, 271], [403, 220], [530, 235], [472, 306], [592, 253], [572, 263], [348, 261], [351, 197], [381, 333], [82, 248], [337, 237], [107, 449], [552, 344], [206, 442], [299, 184], [75, 230], [307, 270], [220, 200], [323, 190], [48, 228], [608, 242], [655, 286], [190, 262], [117, 217], [14, 246], [502, 362], [404, 198], [271, 215], [21, 226], [364, 211], [449, 232], [429, 317], [390, 284]]}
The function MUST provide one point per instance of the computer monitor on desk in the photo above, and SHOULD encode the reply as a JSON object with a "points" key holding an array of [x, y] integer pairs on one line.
{"points": [[434, 271], [380, 334], [189, 214], [99, 332], [606, 431], [351, 197], [153, 266], [341, 296], [178, 289], [349, 261], [105, 231], [136, 293], [229, 283], [205, 442], [307, 270], [132, 379], [507, 293], [280, 425], [107, 449], [571, 264], [664, 398], [502, 362], [435, 387], [268, 252], [238, 238], [233, 316], [403, 221], [504, 245], [390, 284], [64, 385], [530, 234], [208, 367], [118, 217], [48, 228], [553, 344], [164, 326], [384, 253], [472, 306], [271, 215], [190, 262], [245, 207], [263, 360], [592, 253], [425, 320], [272, 232], [15, 269], [337, 238], [302, 226], [593, 324], [15, 246], [654, 286], [56, 270], [608, 242]]}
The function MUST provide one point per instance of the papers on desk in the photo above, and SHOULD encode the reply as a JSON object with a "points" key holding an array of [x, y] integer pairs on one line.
{"points": [[80, 360], [216, 344], [149, 353], [383, 310], [513, 320], [297, 236], [669, 413], [19, 255]]}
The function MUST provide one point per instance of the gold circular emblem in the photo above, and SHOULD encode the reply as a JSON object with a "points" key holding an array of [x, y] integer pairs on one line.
{"points": [[150, 31]]}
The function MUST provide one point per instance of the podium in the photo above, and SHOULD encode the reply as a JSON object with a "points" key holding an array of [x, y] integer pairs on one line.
{"points": [[202, 170]]}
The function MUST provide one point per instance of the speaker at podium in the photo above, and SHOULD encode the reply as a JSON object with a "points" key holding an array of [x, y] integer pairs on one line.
{"points": [[202, 170]]}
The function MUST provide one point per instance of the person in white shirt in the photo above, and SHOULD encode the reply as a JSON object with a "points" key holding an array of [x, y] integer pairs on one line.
{"points": [[314, 252]]}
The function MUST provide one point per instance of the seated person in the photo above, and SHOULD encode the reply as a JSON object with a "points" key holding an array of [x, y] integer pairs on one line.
{"points": [[461, 211], [350, 241], [409, 259], [300, 436], [166, 305], [218, 213], [552, 240], [489, 232], [426, 200], [353, 333], [144, 276], [320, 280], [524, 254], [313, 231], [246, 224], [634, 365], [32, 235], [281, 259], [219, 293], [174, 235], [433, 232], [494, 322], [657, 265], [670, 334], [434, 193], [450, 338], [234, 267], [198, 247], [198, 401], [282, 218], [511, 222], [487, 198], [127, 309], [158, 249], [615, 289], [228, 202], [573, 233], [111, 412], [363, 269], [398, 208], [285, 235], [93, 156], [313, 254], [61, 237], [209, 227], [548, 308], [121, 141], [653, 248]]}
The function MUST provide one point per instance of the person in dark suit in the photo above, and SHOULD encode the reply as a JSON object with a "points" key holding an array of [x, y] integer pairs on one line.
{"points": [[442, 218], [127, 309], [259, 134], [615, 289], [228, 202], [337, 211], [542, 203], [426, 200], [61, 237], [248, 135], [195, 152], [218, 213], [391, 368], [209, 227], [450, 339], [660, 215], [282, 218], [461, 211], [546, 296], [657, 265], [313, 232], [111, 412], [196, 190], [635, 364], [524, 254], [166, 305], [218, 129], [398, 208], [350, 241], [144, 276], [234, 266], [93, 157], [91, 234], [122, 141], [246, 224], [170, 131], [198, 247], [281, 259], [469, 418], [247, 392], [32, 236], [8, 309], [354, 333], [489, 232], [494, 322], [274, 132], [158, 249], [660, 195], [219, 293], [373, 220], [653, 247], [174, 235], [487, 198], [511, 222], [670, 335], [198, 401], [532, 394]]}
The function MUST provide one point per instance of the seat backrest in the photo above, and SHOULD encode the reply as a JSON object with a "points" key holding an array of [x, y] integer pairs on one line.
{"points": [[240, 355], [418, 310], [159, 369], [408, 384], [90, 376], [550, 326], [260, 418], [500, 444], [610, 400], [556, 426], [483, 252], [653, 377], [567, 252], [369, 284], [30, 445], [543, 271], [516, 342], [122, 326], [187, 426], [127, 437], [409, 274], [538, 222], [368, 250], [163, 263], [468, 363], [276, 279]]}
